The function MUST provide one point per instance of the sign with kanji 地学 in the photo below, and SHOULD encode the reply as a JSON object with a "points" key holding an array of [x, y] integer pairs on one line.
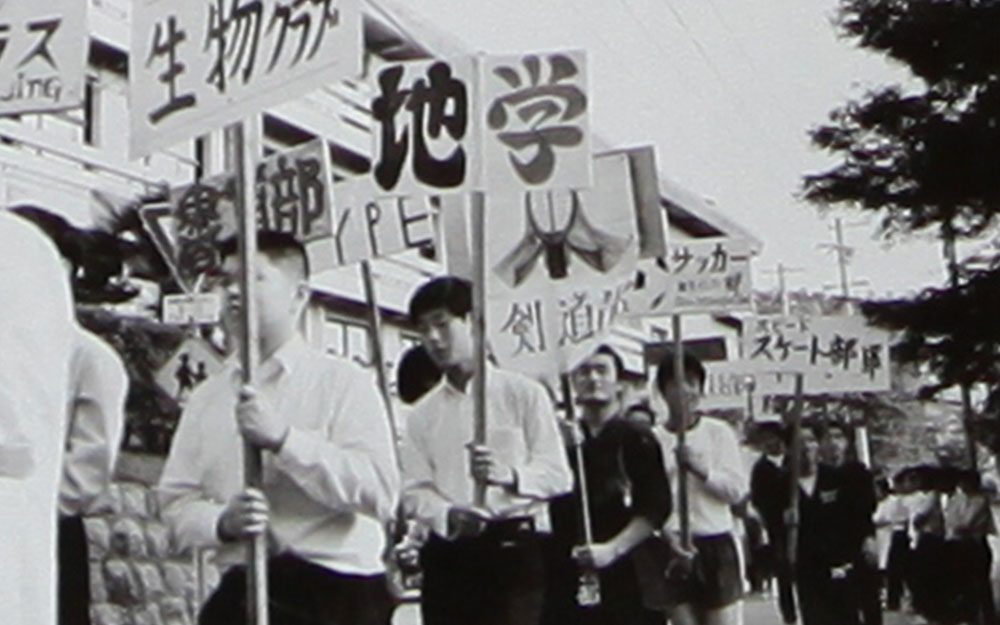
{"points": [[199, 64], [536, 110], [695, 275], [188, 367], [558, 264], [488, 123], [836, 353], [43, 53]]}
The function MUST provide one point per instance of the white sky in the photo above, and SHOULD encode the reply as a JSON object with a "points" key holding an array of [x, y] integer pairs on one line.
{"points": [[726, 90]]}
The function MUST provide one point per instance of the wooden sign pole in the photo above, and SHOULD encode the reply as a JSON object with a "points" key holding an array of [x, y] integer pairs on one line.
{"points": [[682, 490], [479, 329], [240, 160], [795, 469], [378, 355]]}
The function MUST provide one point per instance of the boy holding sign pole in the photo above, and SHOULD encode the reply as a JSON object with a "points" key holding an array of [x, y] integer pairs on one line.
{"points": [[329, 473], [482, 563], [708, 451]]}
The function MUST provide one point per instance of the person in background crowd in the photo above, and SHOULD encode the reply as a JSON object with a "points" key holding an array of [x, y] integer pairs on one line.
{"points": [[893, 514], [967, 522], [95, 420], [330, 475], [37, 336], [836, 450], [416, 374], [768, 494], [628, 495], [482, 564], [710, 593]]}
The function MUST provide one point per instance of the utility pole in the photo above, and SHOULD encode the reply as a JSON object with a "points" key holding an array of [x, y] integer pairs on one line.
{"points": [[951, 257]]}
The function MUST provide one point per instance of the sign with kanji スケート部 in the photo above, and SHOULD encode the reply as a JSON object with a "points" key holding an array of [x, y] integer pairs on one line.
{"points": [[487, 123], [43, 54], [200, 64], [695, 275], [558, 265], [836, 353]]}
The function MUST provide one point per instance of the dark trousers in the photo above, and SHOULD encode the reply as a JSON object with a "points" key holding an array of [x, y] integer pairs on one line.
{"points": [[896, 567], [496, 578], [303, 593], [868, 585], [784, 580], [74, 572], [825, 601]]}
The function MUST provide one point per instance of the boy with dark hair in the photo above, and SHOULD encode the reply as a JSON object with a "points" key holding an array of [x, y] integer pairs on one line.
{"points": [[481, 564], [628, 495], [330, 477], [710, 593]]}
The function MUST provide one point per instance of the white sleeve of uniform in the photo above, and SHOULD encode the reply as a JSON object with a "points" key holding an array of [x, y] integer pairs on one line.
{"points": [[421, 498], [352, 464], [727, 479], [546, 473]]}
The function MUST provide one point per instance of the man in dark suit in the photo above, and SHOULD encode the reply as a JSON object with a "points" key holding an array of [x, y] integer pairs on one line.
{"points": [[768, 494]]}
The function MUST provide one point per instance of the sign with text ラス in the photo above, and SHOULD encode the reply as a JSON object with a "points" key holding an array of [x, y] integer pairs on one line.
{"points": [[43, 53], [200, 64]]}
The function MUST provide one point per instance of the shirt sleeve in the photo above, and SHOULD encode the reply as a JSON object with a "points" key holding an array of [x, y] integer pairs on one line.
{"points": [[726, 479], [546, 472], [643, 463], [421, 499], [350, 465], [95, 429], [191, 515]]}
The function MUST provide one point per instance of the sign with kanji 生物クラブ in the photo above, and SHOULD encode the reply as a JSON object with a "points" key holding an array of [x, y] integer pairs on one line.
{"points": [[199, 64], [695, 275], [558, 264], [488, 123], [43, 53], [836, 353], [293, 194]]}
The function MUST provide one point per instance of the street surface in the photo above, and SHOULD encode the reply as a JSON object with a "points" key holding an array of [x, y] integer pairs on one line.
{"points": [[757, 611]]}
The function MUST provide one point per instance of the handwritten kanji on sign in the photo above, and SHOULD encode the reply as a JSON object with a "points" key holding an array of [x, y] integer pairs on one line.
{"points": [[836, 353], [294, 192], [199, 65], [696, 275], [43, 51], [536, 133]]}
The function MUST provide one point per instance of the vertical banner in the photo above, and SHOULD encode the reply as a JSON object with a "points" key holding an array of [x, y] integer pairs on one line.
{"points": [[43, 54], [198, 64]]}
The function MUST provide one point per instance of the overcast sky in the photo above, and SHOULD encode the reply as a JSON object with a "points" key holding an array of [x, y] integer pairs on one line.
{"points": [[726, 90]]}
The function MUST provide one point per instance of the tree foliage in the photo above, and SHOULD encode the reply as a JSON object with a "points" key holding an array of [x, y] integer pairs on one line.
{"points": [[925, 157]]}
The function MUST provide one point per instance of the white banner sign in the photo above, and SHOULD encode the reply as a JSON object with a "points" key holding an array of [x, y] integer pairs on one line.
{"points": [[43, 53], [188, 308], [490, 123], [200, 64], [836, 353], [558, 264], [695, 275]]}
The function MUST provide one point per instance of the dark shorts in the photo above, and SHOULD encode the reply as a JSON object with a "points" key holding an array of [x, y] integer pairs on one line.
{"points": [[715, 579]]}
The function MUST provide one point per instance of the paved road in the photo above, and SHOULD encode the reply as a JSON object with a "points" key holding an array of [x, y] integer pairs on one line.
{"points": [[757, 611]]}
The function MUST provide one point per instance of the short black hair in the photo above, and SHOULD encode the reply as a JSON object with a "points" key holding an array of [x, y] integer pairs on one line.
{"points": [[607, 350], [274, 244], [66, 238], [416, 374], [451, 293], [692, 368]]}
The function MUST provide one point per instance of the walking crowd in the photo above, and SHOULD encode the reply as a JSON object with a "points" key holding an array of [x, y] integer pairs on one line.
{"points": [[621, 515]]}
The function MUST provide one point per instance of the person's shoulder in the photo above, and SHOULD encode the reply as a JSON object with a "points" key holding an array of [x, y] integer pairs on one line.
{"points": [[717, 427], [516, 383]]}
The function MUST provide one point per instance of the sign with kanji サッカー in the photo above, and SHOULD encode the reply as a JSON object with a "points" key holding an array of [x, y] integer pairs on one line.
{"points": [[199, 64], [489, 123], [836, 353], [43, 53], [695, 275], [558, 265]]}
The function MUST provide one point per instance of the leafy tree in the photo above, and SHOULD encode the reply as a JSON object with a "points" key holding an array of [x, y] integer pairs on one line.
{"points": [[925, 157]]}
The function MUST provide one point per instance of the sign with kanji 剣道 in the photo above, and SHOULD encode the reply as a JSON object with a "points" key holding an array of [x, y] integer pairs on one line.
{"points": [[836, 353], [43, 53], [558, 265], [199, 64], [695, 275], [488, 123]]}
